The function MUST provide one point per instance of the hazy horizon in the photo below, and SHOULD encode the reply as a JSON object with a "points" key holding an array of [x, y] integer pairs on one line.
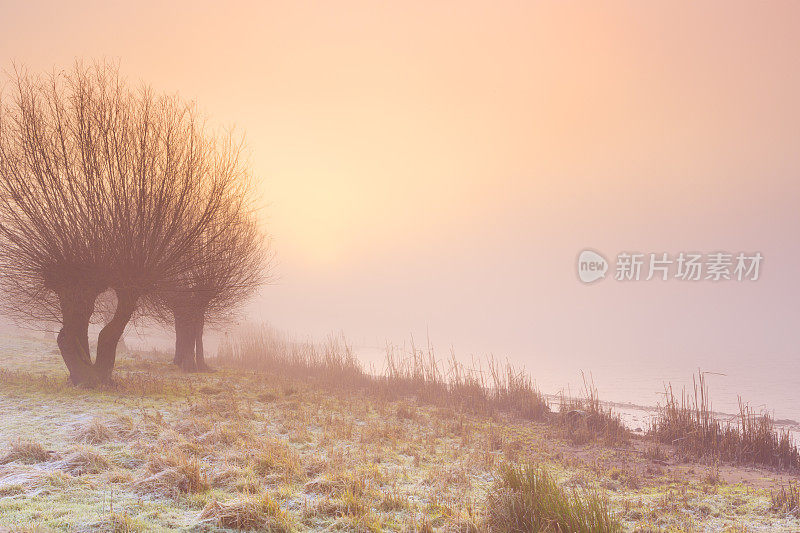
{"points": [[438, 168]]}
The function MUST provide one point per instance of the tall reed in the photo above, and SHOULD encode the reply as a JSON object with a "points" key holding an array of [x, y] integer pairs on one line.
{"points": [[585, 419], [414, 372], [749, 438]]}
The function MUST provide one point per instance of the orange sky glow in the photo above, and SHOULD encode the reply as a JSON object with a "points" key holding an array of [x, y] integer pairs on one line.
{"points": [[437, 166]]}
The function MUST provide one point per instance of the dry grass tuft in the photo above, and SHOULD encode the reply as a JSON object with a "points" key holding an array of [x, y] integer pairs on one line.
{"points": [[656, 453], [787, 500], [255, 513], [84, 460], [266, 349], [225, 407], [336, 484], [585, 419], [193, 426], [95, 431], [393, 501], [528, 499], [118, 523], [406, 411], [122, 426], [35, 380], [172, 474], [154, 382], [276, 457], [419, 525], [230, 433], [34, 481], [27, 452], [451, 384]]}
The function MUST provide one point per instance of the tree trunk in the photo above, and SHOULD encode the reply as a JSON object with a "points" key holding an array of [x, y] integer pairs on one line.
{"points": [[202, 366], [177, 358], [73, 338], [109, 336], [184, 341]]}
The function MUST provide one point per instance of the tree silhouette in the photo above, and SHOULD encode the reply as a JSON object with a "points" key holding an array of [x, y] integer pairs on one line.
{"points": [[224, 273], [103, 189]]}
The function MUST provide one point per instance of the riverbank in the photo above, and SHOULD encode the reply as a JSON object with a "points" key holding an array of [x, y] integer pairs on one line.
{"points": [[165, 451]]}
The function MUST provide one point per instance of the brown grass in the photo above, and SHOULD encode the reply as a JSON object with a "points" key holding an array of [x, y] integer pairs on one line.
{"points": [[787, 500], [26, 452], [450, 383], [118, 523], [269, 350], [355, 460], [159, 379], [254, 513], [417, 373], [95, 431], [84, 461], [691, 425], [172, 474], [585, 419]]}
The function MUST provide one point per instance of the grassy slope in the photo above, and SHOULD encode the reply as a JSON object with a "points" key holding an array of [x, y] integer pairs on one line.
{"points": [[328, 460]]}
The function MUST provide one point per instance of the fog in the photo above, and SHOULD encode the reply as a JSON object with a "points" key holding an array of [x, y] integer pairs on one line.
{"points": [[434, 171]]}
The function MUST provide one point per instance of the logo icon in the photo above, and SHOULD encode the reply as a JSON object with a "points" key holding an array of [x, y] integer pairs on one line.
{"points": [[591, 266]]}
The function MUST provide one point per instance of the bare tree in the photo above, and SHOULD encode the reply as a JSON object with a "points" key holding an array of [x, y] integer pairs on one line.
{"points": [[224, 273], [102, 188]]}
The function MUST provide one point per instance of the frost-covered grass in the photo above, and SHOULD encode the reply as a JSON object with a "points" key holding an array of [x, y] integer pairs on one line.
{"points": [[162, 451]]}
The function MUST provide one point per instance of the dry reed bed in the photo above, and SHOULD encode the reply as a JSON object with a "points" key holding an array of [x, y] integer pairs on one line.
{"points": [[751, 438], [585, 419], [419, 374], [688, 423]]}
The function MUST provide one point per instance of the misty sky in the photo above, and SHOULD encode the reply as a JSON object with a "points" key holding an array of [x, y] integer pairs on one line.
{"points": [[438, 166]]}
